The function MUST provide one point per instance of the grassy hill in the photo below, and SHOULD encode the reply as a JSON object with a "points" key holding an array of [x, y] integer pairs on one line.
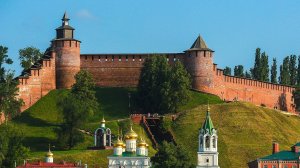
{"points": [[40, 123], [245, 131]]}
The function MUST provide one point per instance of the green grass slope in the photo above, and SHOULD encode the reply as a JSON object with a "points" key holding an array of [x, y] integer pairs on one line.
{"points": [[41, 122], [245, 131]]}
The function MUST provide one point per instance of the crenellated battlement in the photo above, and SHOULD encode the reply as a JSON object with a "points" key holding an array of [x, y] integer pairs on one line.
{"points": [[58, 67]]}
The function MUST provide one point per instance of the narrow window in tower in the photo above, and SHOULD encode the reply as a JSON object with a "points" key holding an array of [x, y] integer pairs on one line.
{"points": [[105, 58], [207, 142], [204, 53], [126, 58], [133, 58], [140, 58], [214, 142], [120, 58], [112, 58]]}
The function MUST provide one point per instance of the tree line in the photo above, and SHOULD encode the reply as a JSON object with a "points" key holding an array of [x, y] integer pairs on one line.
{"points": [[289, 69]]}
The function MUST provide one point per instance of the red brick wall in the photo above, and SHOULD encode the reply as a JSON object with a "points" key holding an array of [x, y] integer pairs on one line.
{"points": [[117, 70], [41, 81], [207, 78], [67, 62]]}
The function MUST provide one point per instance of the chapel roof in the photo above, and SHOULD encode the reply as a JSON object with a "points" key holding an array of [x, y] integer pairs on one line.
{"points": [[208, 124]]}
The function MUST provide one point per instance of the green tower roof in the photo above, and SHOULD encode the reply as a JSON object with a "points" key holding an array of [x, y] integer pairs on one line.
{"points": [[208, 124]]}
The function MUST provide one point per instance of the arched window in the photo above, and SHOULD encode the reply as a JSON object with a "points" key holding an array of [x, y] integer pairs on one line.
{"points": [[207, 142], [214, 141], [201, 141]]}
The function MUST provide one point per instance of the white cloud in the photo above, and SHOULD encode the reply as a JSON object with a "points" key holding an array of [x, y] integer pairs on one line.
{"points": [[85, 14]]}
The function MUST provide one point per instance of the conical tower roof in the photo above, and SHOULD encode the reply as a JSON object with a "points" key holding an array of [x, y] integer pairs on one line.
{"points": [[208, 124], [199, 45], [65, 17]]}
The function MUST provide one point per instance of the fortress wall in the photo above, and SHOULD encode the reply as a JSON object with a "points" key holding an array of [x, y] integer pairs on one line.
{"points": [[118, 70], [232, 88], [40, 82]]}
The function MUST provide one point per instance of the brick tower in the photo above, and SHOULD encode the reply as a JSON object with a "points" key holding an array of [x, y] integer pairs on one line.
{"points": [[67, 54], [199, 62]]}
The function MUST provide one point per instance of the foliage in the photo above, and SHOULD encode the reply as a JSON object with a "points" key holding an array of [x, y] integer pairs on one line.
{"points": [[264, 69], [255, 71], [239, 71], [293, 70], [11, 146], [284, 77], [9, 103], [274, 71], [247, 75], [77, 108], [245, 131], [169, 156], [162, 88], [296, 95], [28, 56], [227, 71]]}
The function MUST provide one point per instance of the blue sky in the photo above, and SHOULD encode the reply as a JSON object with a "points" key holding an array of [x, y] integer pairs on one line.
{"points": [[233, 28]]}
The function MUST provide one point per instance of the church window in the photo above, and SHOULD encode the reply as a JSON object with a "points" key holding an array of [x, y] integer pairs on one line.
{"points": [[207, 142], [214, 141], [207, 160], [201, 142]]}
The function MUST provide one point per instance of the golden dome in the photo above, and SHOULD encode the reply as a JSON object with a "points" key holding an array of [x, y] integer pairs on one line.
{"points": [[49, 154], [131, 134], [142, 143], [118, 143], [103, 120]]}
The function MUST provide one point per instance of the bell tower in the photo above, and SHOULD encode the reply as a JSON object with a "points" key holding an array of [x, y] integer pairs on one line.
{"points": [[67, 54], [208, 144]]}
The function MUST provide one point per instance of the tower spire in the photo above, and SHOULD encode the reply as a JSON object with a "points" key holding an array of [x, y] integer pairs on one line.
{"points": [[65, 19]]}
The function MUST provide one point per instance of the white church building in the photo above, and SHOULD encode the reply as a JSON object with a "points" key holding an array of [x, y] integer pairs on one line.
{"points": [[132, 154], [208, 144]]}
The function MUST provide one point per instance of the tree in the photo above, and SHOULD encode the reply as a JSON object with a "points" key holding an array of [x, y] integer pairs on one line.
{"points": [[28, 56], [9, 103], [247, 75], [169, 156], [77, 107], [256, 70], [11, 146], [227, 71], [274, 71], [264, 67], [284, 77], [239, 71], [162, 88], [293, 70], [298, 71]]}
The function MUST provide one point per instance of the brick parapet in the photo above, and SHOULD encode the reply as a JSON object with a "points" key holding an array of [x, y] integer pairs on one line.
{"points": [[38, 82]]}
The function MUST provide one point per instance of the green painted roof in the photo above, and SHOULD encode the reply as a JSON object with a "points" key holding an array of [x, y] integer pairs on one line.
{"points": [[208, 124], [297, 144], [282, 155]]}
